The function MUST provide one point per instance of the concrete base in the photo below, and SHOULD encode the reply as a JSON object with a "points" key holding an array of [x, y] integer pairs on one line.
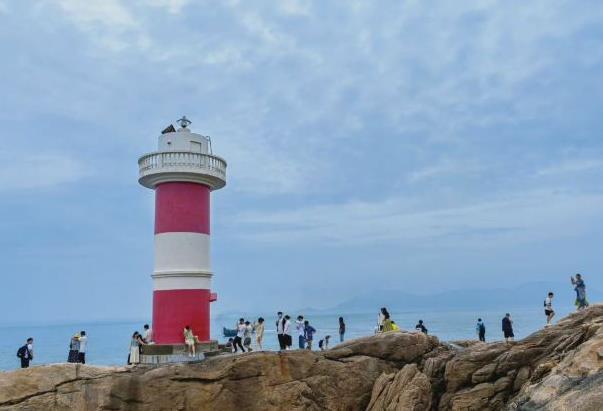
{"points": [[175, 353]]}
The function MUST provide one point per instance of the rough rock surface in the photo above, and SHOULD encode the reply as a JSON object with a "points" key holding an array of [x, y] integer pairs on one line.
{"points": [[558, 368]]}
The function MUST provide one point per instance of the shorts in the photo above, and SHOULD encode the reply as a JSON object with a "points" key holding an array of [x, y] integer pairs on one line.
{"points": [[509, 334], [548, 312]]}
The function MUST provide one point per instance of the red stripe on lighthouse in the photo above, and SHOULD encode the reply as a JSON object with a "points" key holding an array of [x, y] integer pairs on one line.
{"points": [[175, 309], [181, 207]]}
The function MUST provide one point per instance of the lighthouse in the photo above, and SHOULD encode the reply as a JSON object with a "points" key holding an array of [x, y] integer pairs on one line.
{"points": [[183, 172]]}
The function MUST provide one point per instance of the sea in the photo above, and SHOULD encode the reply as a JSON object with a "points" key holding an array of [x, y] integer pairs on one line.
{"points": [[108, 342]]}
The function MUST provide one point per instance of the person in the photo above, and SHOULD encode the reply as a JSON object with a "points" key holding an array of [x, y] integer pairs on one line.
{"points": [[507, 328], [382, 314], [82, 351], [25, 353], [134, 357], [147, 334], [421, 327], [480, 329], [300, 327], [190, 339], [259, 332], [324, 343], [548, 308], [279, 330], [238, 340], [247, 336], [341, 329], [74, 348], [580, 288], [308, 334], [287, 332], [395, 326], [386, 324]]}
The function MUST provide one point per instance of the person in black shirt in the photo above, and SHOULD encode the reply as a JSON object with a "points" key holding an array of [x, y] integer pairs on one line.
{"points": [[25, 353], [507, 328], [421, 327]]}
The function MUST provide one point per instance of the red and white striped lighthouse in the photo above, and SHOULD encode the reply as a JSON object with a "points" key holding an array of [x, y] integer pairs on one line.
{"points": [[182, 172]]}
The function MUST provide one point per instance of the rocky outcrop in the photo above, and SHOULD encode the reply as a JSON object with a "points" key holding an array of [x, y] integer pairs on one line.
{"points": [[557, 368]]}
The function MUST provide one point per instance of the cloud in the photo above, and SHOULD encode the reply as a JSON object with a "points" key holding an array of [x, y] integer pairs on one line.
{"points": [[525, 217], [30, 170], [571, 167]]}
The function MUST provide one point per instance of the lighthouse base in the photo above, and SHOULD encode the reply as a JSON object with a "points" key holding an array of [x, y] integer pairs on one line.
{"points": [[176, 353]]}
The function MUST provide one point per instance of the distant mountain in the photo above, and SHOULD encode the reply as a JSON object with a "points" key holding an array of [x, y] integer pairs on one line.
{"points": [[525, 295]]}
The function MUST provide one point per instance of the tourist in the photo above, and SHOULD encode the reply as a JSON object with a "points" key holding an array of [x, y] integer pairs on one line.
{"points": [[147, 334], [300, 327], [238, 340], [25, 353], [82, 351], [341, 329], [287, 332], [507, 328], [190, 340], [74, 348], [308, 334], [279, 330], [421, 327], [134, 356], [580, 288], [247, 336], [382, 314], [480, 329], [386, 324], [548, 308], [395, 326], [259, 332], [324, 343]]}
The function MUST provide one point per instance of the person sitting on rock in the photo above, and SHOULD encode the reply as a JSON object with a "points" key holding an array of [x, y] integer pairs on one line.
{"points": [[421, 327]]}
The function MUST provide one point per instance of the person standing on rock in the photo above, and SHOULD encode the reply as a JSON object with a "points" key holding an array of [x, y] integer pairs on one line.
{"points": [[548, 308], [25, 353], [134, 357], [299, 326], [480, 329], [580, 288], [507, 328], [279, 330], [308, 334], [247, 336], [341, 329], [190, 340], [81, 357], [238, 340], [74, 348], [259, 332], [287, 332]]}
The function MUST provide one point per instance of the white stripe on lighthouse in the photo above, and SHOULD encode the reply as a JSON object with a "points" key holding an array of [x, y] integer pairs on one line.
{"points": [[182, 252]]}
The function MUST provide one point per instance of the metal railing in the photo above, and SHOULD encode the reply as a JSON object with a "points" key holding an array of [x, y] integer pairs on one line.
{"points": [[196, 162]]}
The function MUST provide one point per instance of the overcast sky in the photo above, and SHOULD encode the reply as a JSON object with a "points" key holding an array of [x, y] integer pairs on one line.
{"points": [[370, 145]]}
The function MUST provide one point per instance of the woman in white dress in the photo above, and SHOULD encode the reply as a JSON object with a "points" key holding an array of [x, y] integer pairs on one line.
{"points": [[134, 357]]}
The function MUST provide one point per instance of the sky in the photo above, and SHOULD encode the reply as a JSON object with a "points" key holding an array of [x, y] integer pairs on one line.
{"points": [[397, 145]]}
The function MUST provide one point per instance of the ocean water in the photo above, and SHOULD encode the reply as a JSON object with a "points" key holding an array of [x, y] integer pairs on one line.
{"points": [[108, 342]]}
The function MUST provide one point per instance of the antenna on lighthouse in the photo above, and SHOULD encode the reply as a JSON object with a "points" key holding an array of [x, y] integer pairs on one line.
{"points": [[184, 122]]}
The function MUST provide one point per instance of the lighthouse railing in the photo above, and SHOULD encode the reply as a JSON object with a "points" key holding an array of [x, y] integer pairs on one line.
{"points": [[166, 160]]}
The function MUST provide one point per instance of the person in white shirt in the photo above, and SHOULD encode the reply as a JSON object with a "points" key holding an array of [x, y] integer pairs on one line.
{"points": [[83, 343], [300, 327], [147, 334], [287, 332], [238, 341], [247, 336], [548, 308]]}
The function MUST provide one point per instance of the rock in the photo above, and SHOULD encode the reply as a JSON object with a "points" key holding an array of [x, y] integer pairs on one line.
{"points": [[558, 368], [409, 389]]}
